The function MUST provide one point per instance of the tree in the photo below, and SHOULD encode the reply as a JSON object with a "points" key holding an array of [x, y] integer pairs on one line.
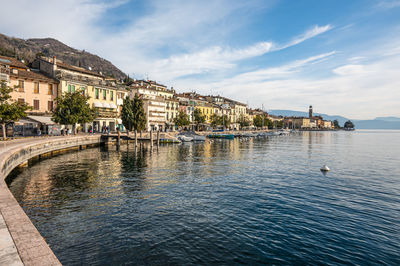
{"points": [[258, 121], [225, 121], [348, 124], [243, 121], [139, 116], [127, 115], [182, 119], [215, 120], [10, 111], [73, 108], [199, 118], [336, 124]]}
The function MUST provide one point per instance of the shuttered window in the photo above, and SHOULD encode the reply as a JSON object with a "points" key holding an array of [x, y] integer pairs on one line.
{"points": [[35, 87], [35, 104], [50, 89]]}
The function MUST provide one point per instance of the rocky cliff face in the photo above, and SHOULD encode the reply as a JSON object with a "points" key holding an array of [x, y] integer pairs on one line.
{"points": [[28, 49]]}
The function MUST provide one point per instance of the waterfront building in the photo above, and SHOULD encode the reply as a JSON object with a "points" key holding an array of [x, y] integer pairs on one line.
{"points": [[236, 109], [328, 124], [102, 92], [34, 88], [153, 102], [30, 86], [301, 122], [206, 109], [187, 105]]}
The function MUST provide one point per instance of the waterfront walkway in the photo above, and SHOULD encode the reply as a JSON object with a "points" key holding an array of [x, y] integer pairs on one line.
{"points": [[20, 242]]}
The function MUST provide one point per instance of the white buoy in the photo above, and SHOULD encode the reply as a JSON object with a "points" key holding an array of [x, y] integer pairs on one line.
{"points": [[325, 168]]}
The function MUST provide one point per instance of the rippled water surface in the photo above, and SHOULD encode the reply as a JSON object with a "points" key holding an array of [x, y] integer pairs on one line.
{"points": [[257, 201]]}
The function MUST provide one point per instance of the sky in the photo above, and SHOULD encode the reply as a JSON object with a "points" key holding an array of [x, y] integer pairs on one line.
{"points": [[341, 56]]}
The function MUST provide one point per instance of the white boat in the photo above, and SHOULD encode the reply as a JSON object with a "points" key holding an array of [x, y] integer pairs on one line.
{"points": [[193, 135], [198, 137], [185, 138]]}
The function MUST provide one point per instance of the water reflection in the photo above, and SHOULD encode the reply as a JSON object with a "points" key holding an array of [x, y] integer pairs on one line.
{"points": [[250, 201]]}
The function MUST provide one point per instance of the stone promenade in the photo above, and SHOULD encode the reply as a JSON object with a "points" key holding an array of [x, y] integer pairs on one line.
{"points": [[20, 241]]}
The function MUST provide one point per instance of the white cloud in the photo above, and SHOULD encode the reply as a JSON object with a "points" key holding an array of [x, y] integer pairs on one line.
{"points": [[350, 70], [218, 58], [315, 31], [210, 59], [389, 4]]}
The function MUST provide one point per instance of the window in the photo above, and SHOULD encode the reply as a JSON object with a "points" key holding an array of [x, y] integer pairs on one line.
{"points": [[35, 104], [50, 106], [96, 93], [104, 94], [20, 85], [71, 88], [50, 89], [35, 87], [111, 95], [21, 100]]}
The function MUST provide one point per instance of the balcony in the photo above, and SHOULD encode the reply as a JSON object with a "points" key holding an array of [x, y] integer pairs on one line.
{"points": [[106, 113]]}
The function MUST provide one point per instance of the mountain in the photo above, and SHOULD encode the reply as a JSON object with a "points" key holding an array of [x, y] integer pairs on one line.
{"points": [[378, 123], [28, 49], [339, 118], [389, 119]]}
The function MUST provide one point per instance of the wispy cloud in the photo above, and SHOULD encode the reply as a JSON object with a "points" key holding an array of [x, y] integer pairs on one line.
{"points": [[273, 72], [389, 4], [315, 31], [218, 58]]}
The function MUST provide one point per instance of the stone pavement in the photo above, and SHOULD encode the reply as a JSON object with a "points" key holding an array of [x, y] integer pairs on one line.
{"points": [[8, 251]]}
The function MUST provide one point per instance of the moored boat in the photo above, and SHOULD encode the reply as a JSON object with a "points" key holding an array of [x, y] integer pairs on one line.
{"points": [[221, 136]]}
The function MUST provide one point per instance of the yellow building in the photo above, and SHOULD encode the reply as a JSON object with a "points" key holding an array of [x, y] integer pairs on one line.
{"points": [[102, 92], [206, 109], [301, 122]]}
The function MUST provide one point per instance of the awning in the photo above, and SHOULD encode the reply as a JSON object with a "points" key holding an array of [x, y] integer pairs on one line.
{"points": [[25, 121], [98, 104], [106, 105], [113, 106], [45, 120]]}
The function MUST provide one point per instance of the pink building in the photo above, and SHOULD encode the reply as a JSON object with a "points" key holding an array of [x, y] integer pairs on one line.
{"points": [[32, 87]]}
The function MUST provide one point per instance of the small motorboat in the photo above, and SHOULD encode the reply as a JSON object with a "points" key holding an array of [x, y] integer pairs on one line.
{"points": [[192, 134], [221, 136], [184, 138]]}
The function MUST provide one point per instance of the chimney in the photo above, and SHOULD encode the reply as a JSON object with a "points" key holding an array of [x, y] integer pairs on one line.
{"points": [[54, 66]]}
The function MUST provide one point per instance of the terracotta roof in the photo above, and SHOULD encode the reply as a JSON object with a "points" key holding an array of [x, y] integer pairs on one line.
{"points": [[12, 62], [33, 75], [78, 69]]}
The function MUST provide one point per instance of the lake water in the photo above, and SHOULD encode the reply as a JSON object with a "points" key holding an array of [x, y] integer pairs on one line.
{"points": [[256, 201]]}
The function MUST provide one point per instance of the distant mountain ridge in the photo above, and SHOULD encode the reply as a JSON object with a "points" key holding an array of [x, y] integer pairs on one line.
{"points": [[389, 122], [27, 50]]}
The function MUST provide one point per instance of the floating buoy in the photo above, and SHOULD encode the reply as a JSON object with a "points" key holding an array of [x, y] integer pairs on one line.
{"points": [[325, 168]]}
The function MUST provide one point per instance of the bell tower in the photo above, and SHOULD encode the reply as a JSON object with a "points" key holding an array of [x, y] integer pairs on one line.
{"points": [[310, 112]]}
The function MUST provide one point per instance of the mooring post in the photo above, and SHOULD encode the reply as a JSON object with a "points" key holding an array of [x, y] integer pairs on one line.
{"points": [[158, 138], [119, 137], [135, 138], [151, 138]]}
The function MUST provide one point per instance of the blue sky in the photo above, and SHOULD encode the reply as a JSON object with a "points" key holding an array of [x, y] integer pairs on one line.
{"points": [[343, 57]]}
